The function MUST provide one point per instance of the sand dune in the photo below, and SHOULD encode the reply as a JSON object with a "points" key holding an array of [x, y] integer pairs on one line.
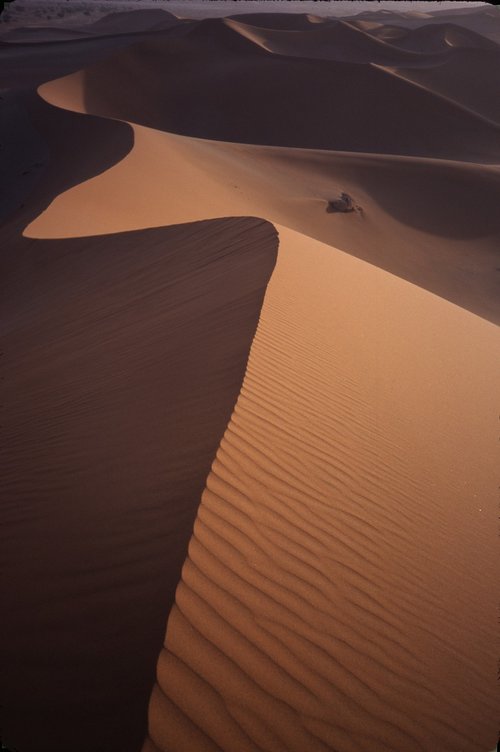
{"points": [[21, 164], [281, 21], [109, 25], [25, 64], [51, 164], [484, 20], [400, 199], [436, 38], [212, 78], [41, 35], [338, 590], [124, 355], [469, 78], [326, 519], [29, 57], [339, 41], [128, 22]]}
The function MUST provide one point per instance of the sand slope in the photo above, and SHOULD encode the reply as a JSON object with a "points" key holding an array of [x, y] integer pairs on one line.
{"points": [[212, 78], [122, 359], [469, 78], [484, 20], [401, 200], [339, 591], [341, 41], [127, 22], [332, 598], [436, 38]]}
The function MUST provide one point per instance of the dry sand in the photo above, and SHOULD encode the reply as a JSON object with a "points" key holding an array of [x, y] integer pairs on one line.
{"points": [[339, 588], [123, 357]]}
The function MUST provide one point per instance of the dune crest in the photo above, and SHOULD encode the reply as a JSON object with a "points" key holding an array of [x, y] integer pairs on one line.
{"points": [[401, 201], [326, 519], [123, 357]]}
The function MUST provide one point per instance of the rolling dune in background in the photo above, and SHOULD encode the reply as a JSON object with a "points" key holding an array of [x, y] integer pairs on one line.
{"points": [[218, 85], [401, 201], [338, 589]]}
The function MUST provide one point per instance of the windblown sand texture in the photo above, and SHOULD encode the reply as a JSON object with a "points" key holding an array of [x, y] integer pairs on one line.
{"points": [[237, 422]]}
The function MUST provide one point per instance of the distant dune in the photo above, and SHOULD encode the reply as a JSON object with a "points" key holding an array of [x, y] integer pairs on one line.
{"points": [[250, 303], [399, 197], [212, 78]]}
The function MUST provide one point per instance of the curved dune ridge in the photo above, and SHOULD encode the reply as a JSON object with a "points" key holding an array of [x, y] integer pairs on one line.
{"points": [[484, 20], [212, 77], [124, 355], [337, 591], [400, 199], [125, 22], [441, 37], [469, 78], [341, 41], [324, 604], [435, 38]]}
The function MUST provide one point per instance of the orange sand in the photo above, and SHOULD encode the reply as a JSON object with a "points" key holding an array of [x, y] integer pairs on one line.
{"points": [[338, 592]]}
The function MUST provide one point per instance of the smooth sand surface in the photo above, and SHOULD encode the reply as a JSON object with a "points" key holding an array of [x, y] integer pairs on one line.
{"points": [[338, 592]]}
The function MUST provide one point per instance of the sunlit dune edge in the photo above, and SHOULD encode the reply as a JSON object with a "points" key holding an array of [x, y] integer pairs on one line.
{"points": [[338, 583]]}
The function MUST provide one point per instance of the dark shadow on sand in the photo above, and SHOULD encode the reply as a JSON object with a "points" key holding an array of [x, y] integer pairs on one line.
{"points": [[123, 359], [212, 83], [70, 149]]}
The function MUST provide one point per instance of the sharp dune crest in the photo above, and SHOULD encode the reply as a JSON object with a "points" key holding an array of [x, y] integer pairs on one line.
{"points": [[326, 519], [399, 198], [212, 76], [126, 354], [341, 41]]}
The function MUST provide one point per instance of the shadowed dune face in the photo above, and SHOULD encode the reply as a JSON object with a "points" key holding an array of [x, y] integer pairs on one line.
{"points": [[126, 22], [484, 20], [430, 38], [431, 222], [212, 78], [28, 65], [48, 163], [341, 41], [21, 164], [470, 77], [441, 37], [28, 60], [435, 209], [279, 21], [112, 24], [123, 357]]}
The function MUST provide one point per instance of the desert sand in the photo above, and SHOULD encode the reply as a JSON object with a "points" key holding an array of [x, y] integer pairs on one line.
{"points": [[250, 441]]}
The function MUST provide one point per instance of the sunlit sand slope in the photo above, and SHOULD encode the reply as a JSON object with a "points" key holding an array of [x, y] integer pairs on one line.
{"points": [[338, 593], [431, 222]]}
